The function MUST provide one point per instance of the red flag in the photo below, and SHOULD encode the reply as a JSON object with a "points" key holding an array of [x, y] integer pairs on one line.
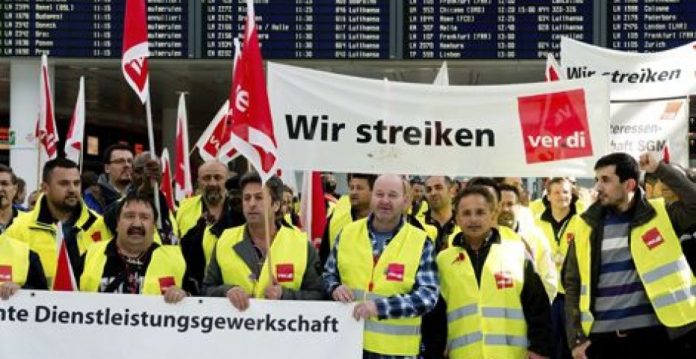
{"points": [[76, 133], [215, 135], [182, 167], [65, 276], [553, 70], [166, 186], [665, 154], [312, 207], [135, 48], [47, 130], [252, 132]]}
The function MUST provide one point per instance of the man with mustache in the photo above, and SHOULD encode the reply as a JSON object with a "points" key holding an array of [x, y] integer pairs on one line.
{"points": [[627, 280], [202, 218], [133, 263], [386, 266], [264, 258], [60, 202], [350, 208]]}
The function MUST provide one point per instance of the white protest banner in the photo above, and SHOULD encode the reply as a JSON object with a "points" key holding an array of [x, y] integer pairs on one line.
{"points": [[88, 326], [633, 76], [332, 122], [637, 127], [648, 93]]}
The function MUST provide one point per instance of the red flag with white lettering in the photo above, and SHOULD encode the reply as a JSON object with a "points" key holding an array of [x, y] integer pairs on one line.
{"points": [[252, 132], [76, 133], [166, 186], [553, 69], [312, 207], [65, 276], [47, 130], [182, 167], [135, 48]]}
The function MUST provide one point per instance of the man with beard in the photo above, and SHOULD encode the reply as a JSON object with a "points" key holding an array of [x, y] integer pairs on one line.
{"points": [[8, 189], [627, 279], [118, 168], [60, 202], [439, 191], [202, 219], [348, 209], [387, 267], [133, 263], [264, 258]]}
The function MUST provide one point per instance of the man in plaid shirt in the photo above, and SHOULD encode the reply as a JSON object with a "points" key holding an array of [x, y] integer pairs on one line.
{"points": [[394, 280]]}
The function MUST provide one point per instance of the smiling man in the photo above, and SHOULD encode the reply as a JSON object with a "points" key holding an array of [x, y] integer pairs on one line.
{"points": [[133, 263], [386, 266]]}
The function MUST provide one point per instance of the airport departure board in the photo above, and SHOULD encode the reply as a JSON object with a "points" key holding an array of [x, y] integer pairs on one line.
{"points": [[301, 29], [493, 29], [88, 28], [650, 25]]}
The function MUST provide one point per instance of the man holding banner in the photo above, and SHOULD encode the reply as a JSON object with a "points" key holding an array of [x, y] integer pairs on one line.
{"points": [[628, 283], [387, 266], [133, 263], [244, 265]]}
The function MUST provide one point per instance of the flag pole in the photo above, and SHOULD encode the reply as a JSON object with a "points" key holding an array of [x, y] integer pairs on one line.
{"points": [[153, 154]]}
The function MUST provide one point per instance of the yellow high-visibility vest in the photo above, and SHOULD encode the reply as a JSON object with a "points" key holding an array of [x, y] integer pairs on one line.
{"points": [[660, 263], [14, 261], [288, 253], [393, 273], [486, 320]]}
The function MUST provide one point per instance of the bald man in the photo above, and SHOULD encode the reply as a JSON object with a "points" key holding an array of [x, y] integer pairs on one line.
{"points": [[386, 266], [202, 219]]}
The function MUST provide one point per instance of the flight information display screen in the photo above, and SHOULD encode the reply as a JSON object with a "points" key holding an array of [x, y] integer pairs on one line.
{"points": [[301, 29], [649, 25], [78, 28], [493, 29]]}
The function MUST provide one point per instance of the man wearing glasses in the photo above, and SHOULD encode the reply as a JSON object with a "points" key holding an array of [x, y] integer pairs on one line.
{"points": [[112, 184]]}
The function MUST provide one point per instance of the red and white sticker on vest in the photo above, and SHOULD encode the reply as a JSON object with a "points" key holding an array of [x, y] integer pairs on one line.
{"points": [[96, 236], [5, 273], [653, 238], [165, 283], [503, 280], [395, 272], [285, 272]]}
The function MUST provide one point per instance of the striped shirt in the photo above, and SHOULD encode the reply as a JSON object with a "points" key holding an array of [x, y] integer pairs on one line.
{"points": [[620, 302]]}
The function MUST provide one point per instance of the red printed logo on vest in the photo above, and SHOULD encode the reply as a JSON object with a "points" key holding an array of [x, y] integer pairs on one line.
{"points": [[503, 280], [395, 272], [570, 237], [5, 273], [555, 126], [653, 238], [285, 272], [165, 283], [96, 236]]}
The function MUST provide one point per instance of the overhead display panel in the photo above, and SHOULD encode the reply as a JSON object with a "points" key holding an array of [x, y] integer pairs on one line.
{"points": [[651, 25], [300, 29], [493, 29], [78, 28]]}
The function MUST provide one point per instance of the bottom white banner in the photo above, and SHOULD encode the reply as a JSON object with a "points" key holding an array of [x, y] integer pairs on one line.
{"points": [[37, 324]]}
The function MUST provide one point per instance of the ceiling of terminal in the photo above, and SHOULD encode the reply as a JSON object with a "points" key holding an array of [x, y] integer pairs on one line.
{"points": [[207, 83]]}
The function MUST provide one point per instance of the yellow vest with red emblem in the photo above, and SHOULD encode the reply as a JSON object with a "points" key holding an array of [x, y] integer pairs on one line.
{"points": [[14, 261], [393, 273], [41, 237], [660, 263], [558, 250], [166, 268], [485, 320], [288, 253]]}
